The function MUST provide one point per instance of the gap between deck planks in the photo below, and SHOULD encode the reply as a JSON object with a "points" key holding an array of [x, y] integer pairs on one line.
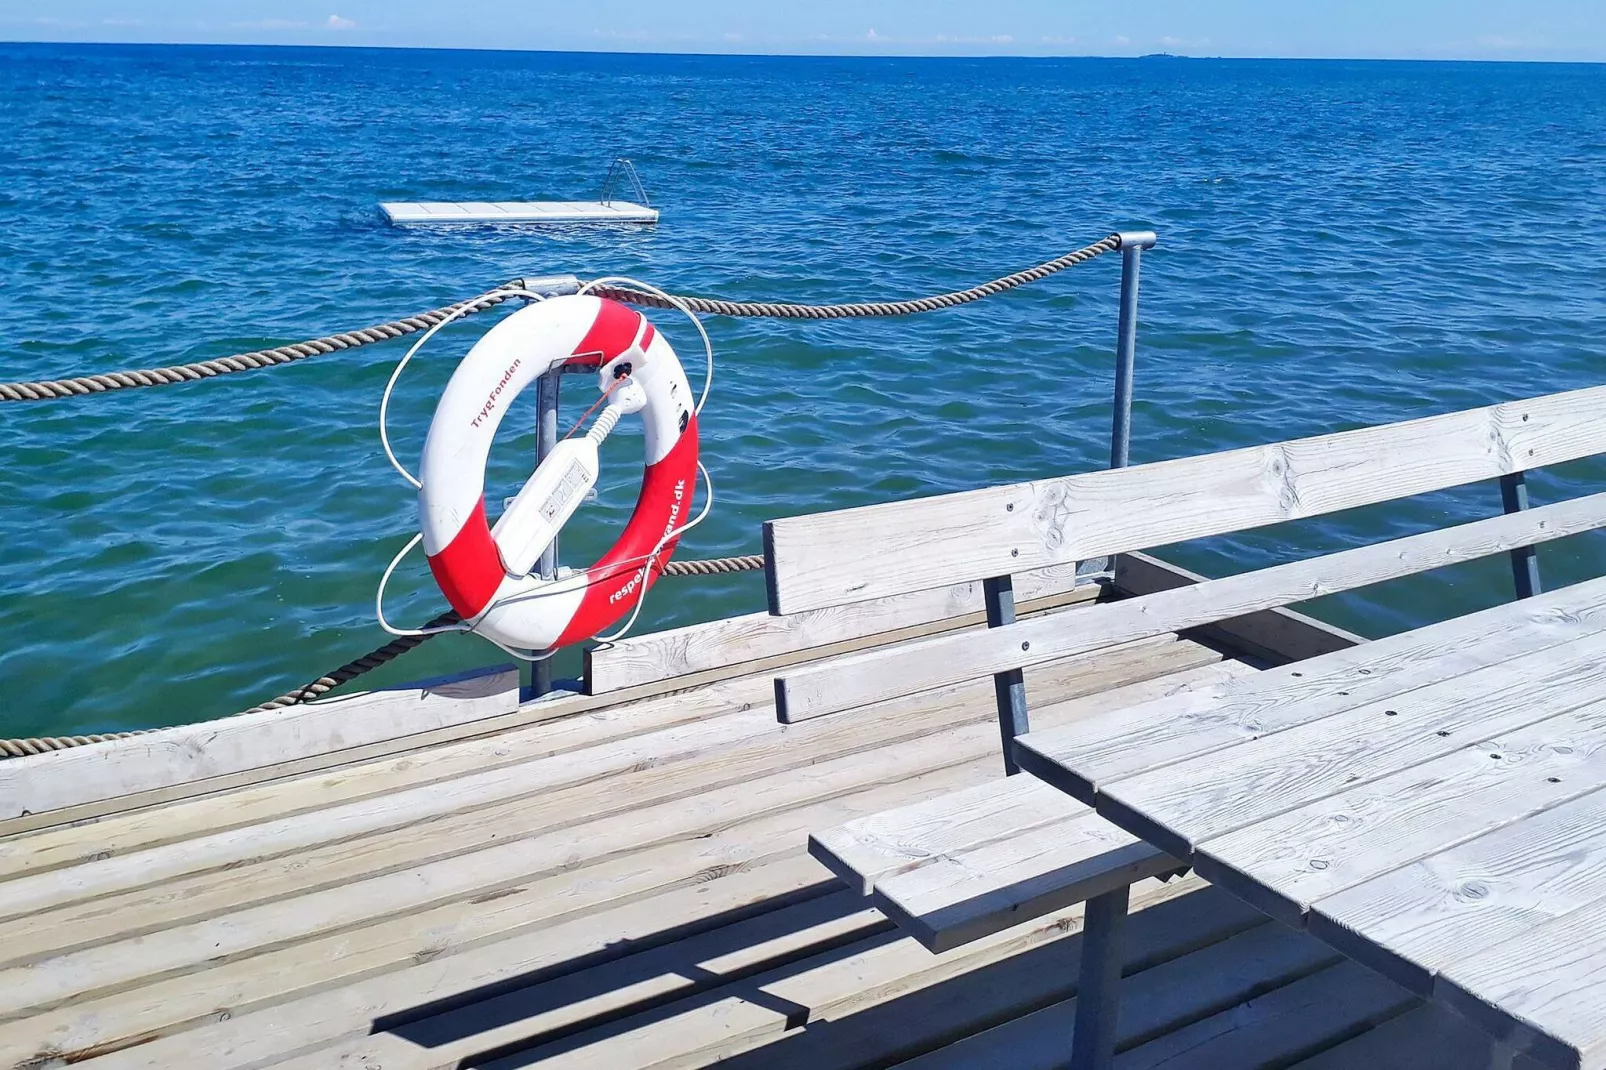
{"points": [[99, 1012]]}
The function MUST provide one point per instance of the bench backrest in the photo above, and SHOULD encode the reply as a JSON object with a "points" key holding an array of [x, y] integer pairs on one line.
{"points": [[838, 558], [853, 555], [758, 642]]}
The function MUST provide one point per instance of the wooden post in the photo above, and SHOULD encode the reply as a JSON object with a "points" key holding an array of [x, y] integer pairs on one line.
{"points": [[1010, 686]]}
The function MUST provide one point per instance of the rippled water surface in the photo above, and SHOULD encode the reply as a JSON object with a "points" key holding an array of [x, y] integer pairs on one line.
{"points": [[1342, 243]]}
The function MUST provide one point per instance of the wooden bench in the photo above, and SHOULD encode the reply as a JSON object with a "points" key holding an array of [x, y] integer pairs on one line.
{"points": [[952, 869]]}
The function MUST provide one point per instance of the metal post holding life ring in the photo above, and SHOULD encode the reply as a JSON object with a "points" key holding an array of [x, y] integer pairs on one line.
{"points": [[486, 573]]}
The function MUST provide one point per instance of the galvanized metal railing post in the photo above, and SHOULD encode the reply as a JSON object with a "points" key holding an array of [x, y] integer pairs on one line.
{"points": [[1008, 687], [1524, 560], [1098, 997], [546, 439], [1126, 343], [1098, 991]]}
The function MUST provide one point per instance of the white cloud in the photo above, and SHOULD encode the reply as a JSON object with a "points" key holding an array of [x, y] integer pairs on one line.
{"points": [[1122, 40], [871, 34], [337, 23]]}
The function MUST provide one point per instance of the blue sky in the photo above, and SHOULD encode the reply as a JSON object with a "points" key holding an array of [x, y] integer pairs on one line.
{"points": [[1427, 29]]}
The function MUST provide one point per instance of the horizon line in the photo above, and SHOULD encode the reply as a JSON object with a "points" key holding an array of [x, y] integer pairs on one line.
{"points": [[808, 55]]}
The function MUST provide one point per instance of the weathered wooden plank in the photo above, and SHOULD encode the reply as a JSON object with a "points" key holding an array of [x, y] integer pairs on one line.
{"points": [[969, 894], [298, 960], [46, 782], [1180, 806], [882, 550], [1296, 1020], [253, 1034], [469, 812], [715, 694], [759, 642], [400, 809], [868, 1031], [873, 676], [865, 851], [1157, 734], [739, 776], [722, 686], [286, 796], [1426, 1038], [764, 1008], [631, 984], [48, 981], [1416, 920], [870, 850], [1284, 863], [1543, 991], [1276, 636], [1154, 1002], [389, 938], [1173, 979]]}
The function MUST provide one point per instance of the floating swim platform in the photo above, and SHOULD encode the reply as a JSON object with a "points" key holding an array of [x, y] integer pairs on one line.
{"points": [[607, 208], [437, 212]]}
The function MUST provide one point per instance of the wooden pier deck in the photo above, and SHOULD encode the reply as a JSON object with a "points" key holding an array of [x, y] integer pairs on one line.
{"points": [[445, 878]]}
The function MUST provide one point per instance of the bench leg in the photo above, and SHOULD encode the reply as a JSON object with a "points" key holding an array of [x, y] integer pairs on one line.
{"points": [[1098, 994]]}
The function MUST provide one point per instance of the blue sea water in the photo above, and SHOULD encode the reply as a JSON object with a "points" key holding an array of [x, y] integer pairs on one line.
{"points": [[1341, 244]]}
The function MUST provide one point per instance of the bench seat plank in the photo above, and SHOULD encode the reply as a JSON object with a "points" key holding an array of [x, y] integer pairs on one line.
{"points": [[970, 894], [1367, 830], [865, 851], [1421, 917], [1272, 773], [1110, 747], [1552, 977]]}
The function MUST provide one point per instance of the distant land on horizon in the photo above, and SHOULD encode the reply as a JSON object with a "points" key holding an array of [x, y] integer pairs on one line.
{"points": [[1029, 58]]}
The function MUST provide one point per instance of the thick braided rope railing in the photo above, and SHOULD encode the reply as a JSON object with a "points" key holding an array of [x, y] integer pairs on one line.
{"points": [[19, 748], [49, 389], [783, 310]]}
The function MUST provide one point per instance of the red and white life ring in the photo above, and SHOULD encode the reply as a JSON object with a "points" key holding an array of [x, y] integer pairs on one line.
{"points": [[524, 611]]}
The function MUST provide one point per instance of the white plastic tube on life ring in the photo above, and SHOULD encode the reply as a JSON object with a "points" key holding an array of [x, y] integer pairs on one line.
{"points": [[525, 611]]}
